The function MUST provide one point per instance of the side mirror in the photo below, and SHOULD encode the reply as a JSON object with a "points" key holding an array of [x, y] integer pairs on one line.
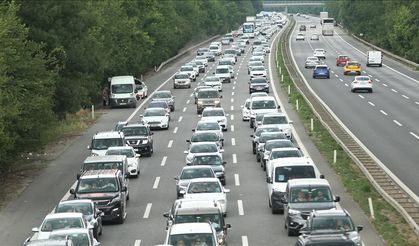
{"points": [[124, 189], [252, 136], [337, 199], [89, 147], [188, 141], [185, 152], [224, 162], [193, 130], [137, 155], [100, 213], [213, 72], [35, 229], [279, 107], [176, 178], [188, 164], [151, 133], [221, 96], [221, 150], [78, 176], [182, 192], [90, 226], [72, 191], [227, 115], [322, 176], [359, 228], [141, 115], [227, 226], [226, 190], [269, 180], [291, 122], [166, 215], [136, 91]]}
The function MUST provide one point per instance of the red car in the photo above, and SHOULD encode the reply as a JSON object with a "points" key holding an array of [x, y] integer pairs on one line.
{"points": [[341, 60]]}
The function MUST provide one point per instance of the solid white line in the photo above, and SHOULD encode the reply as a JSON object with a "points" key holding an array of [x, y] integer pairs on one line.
{"points": [[233, 141], [232, 117], [232, 128], [240, 206], [232, 93], [184, 109], [393, 90], [405, 96], [383, 112], [232, 100], [414, 135], [245, 242], [175, 130], [180, 118], [137, 242], [385, 85], [187, 102], [236, 179], [156, 183], [232, 108], [170, 144], [163, 161], [397, 123], [370, 103], [147, 211], [361, 96], [234, 159]]}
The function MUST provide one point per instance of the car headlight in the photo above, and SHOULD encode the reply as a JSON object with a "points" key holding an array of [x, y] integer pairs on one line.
{"points": [[221, 241], [145, 141], [294, 212], [219, 174], [199, 102], [217, 101], [94, 154], [116, 199]]}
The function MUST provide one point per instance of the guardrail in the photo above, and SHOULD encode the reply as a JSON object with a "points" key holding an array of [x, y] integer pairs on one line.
{"points": [[184, 52], [383, 180]]}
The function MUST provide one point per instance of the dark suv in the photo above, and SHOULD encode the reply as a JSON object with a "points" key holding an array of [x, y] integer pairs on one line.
{"points": [[139, 137], [208, 97], [106, 188], [303, 28]]}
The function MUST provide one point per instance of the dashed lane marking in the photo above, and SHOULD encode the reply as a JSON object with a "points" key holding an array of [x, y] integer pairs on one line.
{"points": [[234, 159], [361, 96], [232, 100], [175, 130], [393, 90], [187, 102], [232, 108], [240, 207], [170, 144], [397, 123], [370, 103], [147, 211], [232, 128], [383, 112], [236, 179], [414, 135], [180, 118], [245, 242], [163, 161], [137, 242], [385, 85], [405, 96], [232, 117], [156, 183], [184, 109], [233, 141]]}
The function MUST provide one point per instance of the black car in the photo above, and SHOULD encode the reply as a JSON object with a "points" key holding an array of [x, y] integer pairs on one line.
{"points": [[303, 27], [213, 160], [258, 84], [139, 137]]}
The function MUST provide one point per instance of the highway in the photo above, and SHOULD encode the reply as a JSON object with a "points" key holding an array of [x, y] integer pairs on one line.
{"points": [[386, 121], [153, 192]]}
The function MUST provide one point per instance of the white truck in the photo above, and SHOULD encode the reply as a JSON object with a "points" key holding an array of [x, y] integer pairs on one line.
{"points": [[323, 15], [251, 19], [374, 58]]}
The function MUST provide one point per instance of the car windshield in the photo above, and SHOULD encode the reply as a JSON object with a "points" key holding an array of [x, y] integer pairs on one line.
{"points": [[127, 152], [204, 137], [191, 239], [78, 239], [362, 78], [259, 131], [157, 104], [222, 70], [181, 76], [208, 94], [332, 223], [283, 174], [105, 143], [312, 59], [311, 194], [258, 81], [208, 126], [275, 120], [204, 187], [139, 87], [269, 136], [343, 57], [215, 219], [207, 113], [122, 88], [259, 117], [285, 154], [83, 207], [155, 112], [102, 166], [134, 131], [97, 185], [355, 64], [321, 68], [207, 160], [264, 104], [188, 68], [212, 79], [258, 69], [278, 144], [61, 223], [224, 62], [197, 173], [203, 148], [162, 94]]}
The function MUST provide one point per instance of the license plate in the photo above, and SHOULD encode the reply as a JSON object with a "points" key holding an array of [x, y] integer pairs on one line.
{"points": [[136, 149]]}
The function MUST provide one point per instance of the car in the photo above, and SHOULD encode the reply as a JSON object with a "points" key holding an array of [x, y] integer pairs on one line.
{"points": [[225, 41], [101, 141], [210, 56], [341, 60], [195, 67], [319, 53], [283, 152], [213, 81], [207, 189], [201, 65], [258, 84], [224, 73], [48, 242], [257, 71], [302, 28], [274, 144], [155, 118], [202, 147], [259, 52], [189, 69], [226, 62], [108, 189], [58, 221], [312, 25], [89, 210], [209, 126], [207, 136], [133, 158], [216, 49], [140, 137], [165, 96], [257, 58], [263, 138], [332, 222], [352, 67], [181, 80], [321, 71], [141, 91], [196, 90], [191, 172], [215, 114], [361, 83], [300, 200], [208, 97], [314, 36], [300, 36], [202, 59], [214, 161], [279, 120], [232, 52], [202, 51], [245, 110], [325, 239], [262, 105], [80, 236], [252, 64], [311, 62], [159, 104], [192, 234]]}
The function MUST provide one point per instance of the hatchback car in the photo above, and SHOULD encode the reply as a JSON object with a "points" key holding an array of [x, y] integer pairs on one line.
{"points": [[300, 37], [165, 96], [257, 71], [258, 84], [156, 118], [352, 67], [341, 60], [321, 71], [60, 221], [214, 161], [181, 80], [207, 136], [246, 110], [311, 62], [215, 114], [132, 158], [202, 147], [361, 83], [319, 53], [192, 172], [141, 91], [159, 104]]}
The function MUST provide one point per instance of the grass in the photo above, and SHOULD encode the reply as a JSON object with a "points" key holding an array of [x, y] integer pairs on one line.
{"points": [[388, 222]]}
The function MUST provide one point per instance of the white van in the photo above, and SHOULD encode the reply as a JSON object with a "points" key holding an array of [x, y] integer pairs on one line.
{"points": [[123, 92], [374, 58], [262, 105]]}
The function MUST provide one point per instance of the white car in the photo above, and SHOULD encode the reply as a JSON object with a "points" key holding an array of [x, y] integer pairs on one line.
{"points": [[202, 59], [276, 153], [132, 158], [231, 57], [60, 221], [299, 36], [209, 126], [216, 114], [246, 110], [258, 71], [279, 120], [141, 91], [319, 53], [207, 189], [202, 147], [311, 62], [182, 79], [361, 83], [214, 82], [156, 118], [257, 58], [190, 70], [252, 64], [81, 235]]}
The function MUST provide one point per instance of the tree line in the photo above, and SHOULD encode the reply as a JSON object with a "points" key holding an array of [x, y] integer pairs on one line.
{"points": [[392, 25], [55, 56]]}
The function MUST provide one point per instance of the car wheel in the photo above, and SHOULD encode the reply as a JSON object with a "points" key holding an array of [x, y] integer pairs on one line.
{"points": [[290, 232], [121, 218], [101, 229], [251, 123], [370, 90], [258, 157], [96, 233]]}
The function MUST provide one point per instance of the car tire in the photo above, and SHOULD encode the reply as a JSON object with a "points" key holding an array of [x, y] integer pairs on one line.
{"points": [[290, 232], [257, 157], [96, 233], [121, 218], [370, 90]]}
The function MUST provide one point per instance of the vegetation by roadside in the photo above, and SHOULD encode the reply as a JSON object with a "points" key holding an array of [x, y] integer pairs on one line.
{"points": [[388, 222]]}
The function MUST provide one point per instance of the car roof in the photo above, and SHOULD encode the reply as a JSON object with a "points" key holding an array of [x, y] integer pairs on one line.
{"points": [[64, 215], [202, 143], [109, 158], [308, 182], [108, 134], [155, 109], [213, 109], [283, 149], [70, 231], [206, 154], [263, 98], [297, 161], [190, 228], [331, 212], [273, 114], [197, 180], [197, 167], [76, 201], [104, 173]]}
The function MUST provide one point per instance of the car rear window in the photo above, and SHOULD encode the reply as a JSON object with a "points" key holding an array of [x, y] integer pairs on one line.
{"points": [[283, 174]]}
